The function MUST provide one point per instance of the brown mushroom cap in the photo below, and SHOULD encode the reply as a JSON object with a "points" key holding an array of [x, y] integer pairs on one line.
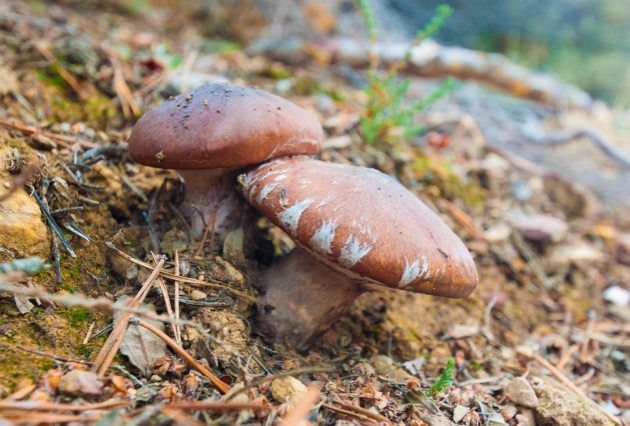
{"points": [[362, 220], [221, 125]]}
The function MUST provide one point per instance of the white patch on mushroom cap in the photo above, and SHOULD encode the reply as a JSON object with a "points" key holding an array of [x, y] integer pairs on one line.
{"points": [[290, 217], [363, 225], [325, 201], [353, 251], [264, 192], [322, 239], [410, 273]]}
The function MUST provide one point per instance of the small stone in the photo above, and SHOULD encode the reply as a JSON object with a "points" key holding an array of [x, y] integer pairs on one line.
{"points": [[559, 407], [459, 413], [495, 419], [83, 384], [541, 227], [385, 366], [21, 225], [198, 295], [521, 393], [287, 389]]}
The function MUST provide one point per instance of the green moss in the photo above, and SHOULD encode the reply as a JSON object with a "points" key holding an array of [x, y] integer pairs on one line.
{"points": [[46, 365], [77, 317]]}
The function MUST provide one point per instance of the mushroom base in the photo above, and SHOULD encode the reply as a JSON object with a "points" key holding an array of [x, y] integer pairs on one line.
{"points": [[307, 298], [210, 191]]}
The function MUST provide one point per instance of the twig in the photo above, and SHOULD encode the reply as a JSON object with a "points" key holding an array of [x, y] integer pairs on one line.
{"points": [[167, 300], [21, 393], [178, 329], [379, 418], [218, 383], [111, 346], [349, 413], [216, 406], [53, 225], [89, 333], [64, 141], [189, 281], [209, 226], [294, 372], [566, 356], [568, 383], [55, 357], [49, 406]]}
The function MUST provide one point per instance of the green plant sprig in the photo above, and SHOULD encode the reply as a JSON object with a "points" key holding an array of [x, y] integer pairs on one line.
{"points": [[386, 117], [445, 380]]}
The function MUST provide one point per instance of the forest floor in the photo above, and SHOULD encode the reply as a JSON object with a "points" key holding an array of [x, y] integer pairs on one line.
{"points": [[543, 340]]}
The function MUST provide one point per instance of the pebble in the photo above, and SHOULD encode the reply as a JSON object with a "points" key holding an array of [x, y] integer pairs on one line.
{"points": [[21, 226], [83, 384], [287, 389], [541, 227], [521, 393], [459, 413]]}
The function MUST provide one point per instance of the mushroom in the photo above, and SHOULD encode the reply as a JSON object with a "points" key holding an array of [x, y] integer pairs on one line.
{"points": [[210, 133], [354, 227]]}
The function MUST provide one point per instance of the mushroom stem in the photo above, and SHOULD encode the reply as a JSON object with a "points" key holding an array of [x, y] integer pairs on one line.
{"points": [[213, 190], [307, 297]]}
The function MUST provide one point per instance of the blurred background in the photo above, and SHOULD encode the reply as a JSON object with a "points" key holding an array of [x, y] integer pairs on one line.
{"points": [[584, 42]]}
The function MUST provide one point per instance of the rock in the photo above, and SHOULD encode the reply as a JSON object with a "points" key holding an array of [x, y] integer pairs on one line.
{"points": [[459, 412], [198, 295], [287, 389], [21, 228], [495, 419], [384, 366], [83, 384], [558, 408], [540, 227], [233, 247], [521, 393]]}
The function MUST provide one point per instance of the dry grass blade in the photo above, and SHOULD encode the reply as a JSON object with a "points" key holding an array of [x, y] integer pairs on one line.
{"points": [[109, 350], [49, 406], [64, 141], [359, 416], [379, 418], [189, 281], [48, 418], [218, 383], [217, 406], [167, 301], [178, 328]]}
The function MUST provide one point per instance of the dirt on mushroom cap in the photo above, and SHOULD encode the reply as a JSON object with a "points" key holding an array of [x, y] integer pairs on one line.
{"points": [[364, 221], [221, 125]]}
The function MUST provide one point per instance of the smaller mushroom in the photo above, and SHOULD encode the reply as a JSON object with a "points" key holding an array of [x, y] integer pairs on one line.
{"points": [[210, 133], [354, 227]]}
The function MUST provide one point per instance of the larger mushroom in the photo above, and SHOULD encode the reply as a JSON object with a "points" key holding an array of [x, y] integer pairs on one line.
{"points": [[354, 227], [210, 133]]}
